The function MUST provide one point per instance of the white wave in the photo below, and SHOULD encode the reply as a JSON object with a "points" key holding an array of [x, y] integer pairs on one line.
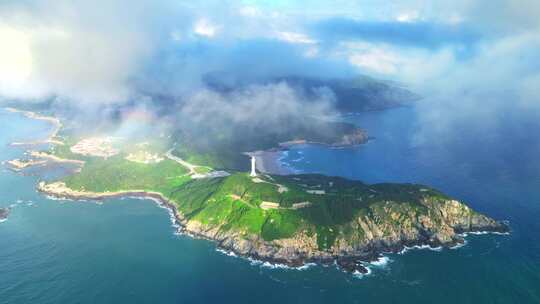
{"points": [[420, 247], [306, 266], [227, 253], [357, 274], [381, 261], [62, 199], [465, 234], [459, 245], [284, 154], [3, 220], [478, 232], [488, 232], [265, 264], [275, 266]]}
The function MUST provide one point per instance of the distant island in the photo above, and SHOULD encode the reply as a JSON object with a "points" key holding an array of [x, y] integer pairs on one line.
{"points": [[286, 219]]}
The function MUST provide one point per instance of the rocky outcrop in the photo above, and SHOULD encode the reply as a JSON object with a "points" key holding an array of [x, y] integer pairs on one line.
{"points": [[4, 212], [18, 164]]}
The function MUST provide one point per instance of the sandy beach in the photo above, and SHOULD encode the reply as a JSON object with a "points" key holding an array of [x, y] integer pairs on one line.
{"points": [[268, 162]]}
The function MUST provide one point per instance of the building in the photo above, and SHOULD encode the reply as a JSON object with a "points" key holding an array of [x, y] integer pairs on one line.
{"points": [[253, 171]]}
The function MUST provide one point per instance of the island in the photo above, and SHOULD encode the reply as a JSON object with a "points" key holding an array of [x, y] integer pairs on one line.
{"points": [[286, 219], [291, 220], [4, 212]]}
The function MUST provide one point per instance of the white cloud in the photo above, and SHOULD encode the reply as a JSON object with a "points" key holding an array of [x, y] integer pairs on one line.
{"points": [[204, 27], [408, 16], [411, 65], [297, 38], [15, 59], [375, 61], [85, 52]]}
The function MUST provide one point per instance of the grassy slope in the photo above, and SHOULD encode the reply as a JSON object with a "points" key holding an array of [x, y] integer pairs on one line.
{"points": [[116, 174], [232, 203]]}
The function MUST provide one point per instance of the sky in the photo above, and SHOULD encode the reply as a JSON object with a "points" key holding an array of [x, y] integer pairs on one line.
{"points": [[471, 58]]}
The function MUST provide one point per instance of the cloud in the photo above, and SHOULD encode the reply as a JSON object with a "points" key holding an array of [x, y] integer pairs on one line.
{"points": [[204, 27], [82, 51], [408, 16], [462, 56], [15, 60], [483, 95], [295, 38], [266, 106]]}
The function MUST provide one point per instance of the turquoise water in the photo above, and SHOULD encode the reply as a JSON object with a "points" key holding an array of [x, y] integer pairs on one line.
{"points": [[126, 251]]}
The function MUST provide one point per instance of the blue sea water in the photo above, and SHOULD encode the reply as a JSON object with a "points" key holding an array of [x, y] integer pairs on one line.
{"points": [[125, 250]]}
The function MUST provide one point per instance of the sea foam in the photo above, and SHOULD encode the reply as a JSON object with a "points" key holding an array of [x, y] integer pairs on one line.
{"points": [[381, 261], [420, 247], [264, 264], [357, 274]]}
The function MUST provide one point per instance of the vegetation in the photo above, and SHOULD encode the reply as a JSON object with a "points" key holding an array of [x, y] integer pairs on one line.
{"points": [[116, 174], [237, 202]]}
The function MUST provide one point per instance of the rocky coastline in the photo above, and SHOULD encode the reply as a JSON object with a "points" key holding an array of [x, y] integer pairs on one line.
{"points": [[301, 249]]}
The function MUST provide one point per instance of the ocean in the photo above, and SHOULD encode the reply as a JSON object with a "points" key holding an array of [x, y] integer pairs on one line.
{"points": [[126, 250]]}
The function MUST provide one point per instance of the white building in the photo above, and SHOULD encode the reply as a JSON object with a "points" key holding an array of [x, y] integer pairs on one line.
{"points": [[253, 172]]}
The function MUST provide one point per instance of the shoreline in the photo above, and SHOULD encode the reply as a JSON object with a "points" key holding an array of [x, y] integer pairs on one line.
{"points": [[33, 115], [37, 157], [355, 262], [270, 161]]}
